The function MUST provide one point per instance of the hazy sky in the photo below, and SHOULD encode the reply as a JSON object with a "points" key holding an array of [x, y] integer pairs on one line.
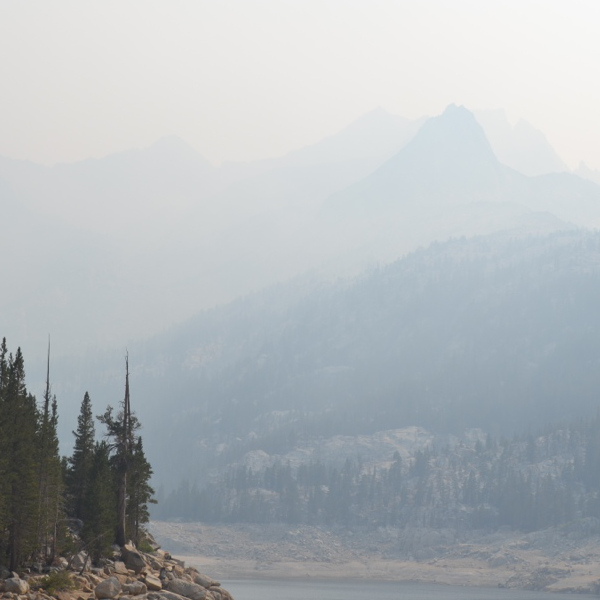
{"points": [[247, 79]]}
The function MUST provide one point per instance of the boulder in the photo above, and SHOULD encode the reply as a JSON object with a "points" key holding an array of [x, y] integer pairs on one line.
{"points": [[120, 568], [4, 572], [61, 595], [61, 562], [135, 588], [166, 595], [95, 577], [109, 588], [81, 560], [16, 586], [205, 581], [193, 591], [178, 570], [153, 583], [122, 578], [133, 559], [219, 593], [153, 562]]}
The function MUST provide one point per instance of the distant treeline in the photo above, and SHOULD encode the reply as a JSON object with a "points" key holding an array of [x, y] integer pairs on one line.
{"points": [[45, 498], [527, 483]]}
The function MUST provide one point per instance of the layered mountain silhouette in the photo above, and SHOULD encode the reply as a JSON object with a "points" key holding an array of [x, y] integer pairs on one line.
{"points": [[584, 171], [520, 146], [147, 237], [448, 160], [450, 163], [117, 191]]}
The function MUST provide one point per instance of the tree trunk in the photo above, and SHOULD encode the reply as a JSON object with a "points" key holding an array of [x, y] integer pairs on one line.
{"points": [[122, 509]]}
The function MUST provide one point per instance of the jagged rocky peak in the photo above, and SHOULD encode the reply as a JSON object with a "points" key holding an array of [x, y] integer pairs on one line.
{"points": [[448, 160], [455, 137]]}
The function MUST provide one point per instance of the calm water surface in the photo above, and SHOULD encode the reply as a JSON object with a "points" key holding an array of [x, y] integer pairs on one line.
{"points": [[265, 589]]}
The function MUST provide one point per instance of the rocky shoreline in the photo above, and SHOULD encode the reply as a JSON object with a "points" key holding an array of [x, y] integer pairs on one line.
{"points": [[130, 575], [558, 560]]}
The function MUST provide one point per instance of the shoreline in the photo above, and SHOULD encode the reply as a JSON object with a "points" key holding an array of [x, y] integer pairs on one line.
{"points": [[391, 571], [544, 561]]}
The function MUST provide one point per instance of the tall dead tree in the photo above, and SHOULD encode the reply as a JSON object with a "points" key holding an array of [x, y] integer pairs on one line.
{"points": [[121, 429], [49, 472], [125, 455]]}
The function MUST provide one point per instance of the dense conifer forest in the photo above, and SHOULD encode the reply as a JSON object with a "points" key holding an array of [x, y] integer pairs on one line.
{"points": [[50, 504], [528, 482]]}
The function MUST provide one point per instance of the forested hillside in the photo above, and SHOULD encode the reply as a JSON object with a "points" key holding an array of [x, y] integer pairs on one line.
{"points": [[496, 332], [527, 483]]}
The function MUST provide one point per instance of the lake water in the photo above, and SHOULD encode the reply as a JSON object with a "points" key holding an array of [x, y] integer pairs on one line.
{"points": [[264, 589]]}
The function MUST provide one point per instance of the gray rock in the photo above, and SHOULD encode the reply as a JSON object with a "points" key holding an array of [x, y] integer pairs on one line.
{"points": [[135, 588], [79, 560], [61, 562], [4, 572], [16, 586], [205, 581], [133, 559], [154, 564], [153, 583], [120, 568], [193, 591], [219, 593], [109, 588], [164, 595]]}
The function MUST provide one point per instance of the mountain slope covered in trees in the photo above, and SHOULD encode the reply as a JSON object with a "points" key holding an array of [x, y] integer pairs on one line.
{"points": [[527, 482], [497, 332]]}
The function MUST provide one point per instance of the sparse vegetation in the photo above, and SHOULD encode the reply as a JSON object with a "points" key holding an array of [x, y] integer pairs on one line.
{"points": [[57, 581]]}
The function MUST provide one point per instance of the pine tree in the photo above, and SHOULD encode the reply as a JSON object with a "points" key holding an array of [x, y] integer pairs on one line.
{"points": [[100, 506], [139, 493], [4, 446], [79, 471], [19, 481]]}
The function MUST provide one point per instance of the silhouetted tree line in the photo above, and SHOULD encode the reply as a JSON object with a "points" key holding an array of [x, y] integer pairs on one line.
{"points": [[527, 483], [45, 498]]}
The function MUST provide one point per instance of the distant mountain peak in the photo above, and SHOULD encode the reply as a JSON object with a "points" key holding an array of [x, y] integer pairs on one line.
{"points": [[455, 108], [451, 142], [175, 146], [448, 161], [587, 173], [520, 146]]}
